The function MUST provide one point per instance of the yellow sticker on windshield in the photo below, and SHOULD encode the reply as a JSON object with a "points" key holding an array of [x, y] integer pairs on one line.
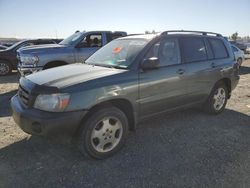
{"points": [[117, 50]]}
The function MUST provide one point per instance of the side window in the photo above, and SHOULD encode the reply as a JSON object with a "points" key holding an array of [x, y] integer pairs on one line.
{"points": [[92, 40], [96, 40], [218, 48], [167, 51], [210, 54], [193, 49]]}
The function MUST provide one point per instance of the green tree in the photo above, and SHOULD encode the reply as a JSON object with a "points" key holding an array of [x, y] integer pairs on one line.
{"points": [[234, 36], [150, 32]]}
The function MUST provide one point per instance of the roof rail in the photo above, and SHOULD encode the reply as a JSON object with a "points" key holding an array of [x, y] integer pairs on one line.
{"points": [[187, 31]]}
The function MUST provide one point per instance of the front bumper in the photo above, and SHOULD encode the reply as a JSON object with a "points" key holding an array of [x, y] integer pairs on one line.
{"points": [[37, 122], [28, 70]]}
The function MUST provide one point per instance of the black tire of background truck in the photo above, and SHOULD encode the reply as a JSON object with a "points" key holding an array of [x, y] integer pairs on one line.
{"points": [[5, 68]]}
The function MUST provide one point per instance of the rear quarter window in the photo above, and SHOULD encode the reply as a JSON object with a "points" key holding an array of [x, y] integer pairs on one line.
{"points": [[218, 48]]}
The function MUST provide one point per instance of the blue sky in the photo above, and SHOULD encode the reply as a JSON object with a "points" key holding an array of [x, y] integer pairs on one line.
{"points": [[51, 18]]}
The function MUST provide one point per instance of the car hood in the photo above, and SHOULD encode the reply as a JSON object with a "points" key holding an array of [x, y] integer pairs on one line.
{"points": [[40, 48], [69, 75]]}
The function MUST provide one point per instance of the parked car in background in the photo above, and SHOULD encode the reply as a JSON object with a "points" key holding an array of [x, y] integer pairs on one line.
{"points": [[76, 48], [241, 46], [126, 81], [248, 48], [8, 57], [3, 47], [239, 54]]}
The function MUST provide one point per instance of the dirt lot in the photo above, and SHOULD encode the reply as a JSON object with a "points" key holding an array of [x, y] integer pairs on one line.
{"points": [[184, 149]]}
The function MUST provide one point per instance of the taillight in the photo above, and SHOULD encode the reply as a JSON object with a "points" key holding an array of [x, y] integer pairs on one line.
{"points": [[236, 67]]}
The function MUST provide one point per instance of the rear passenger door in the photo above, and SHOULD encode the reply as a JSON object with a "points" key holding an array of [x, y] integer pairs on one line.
{"points": [[198, 57], [165, 87], [220, 55]]}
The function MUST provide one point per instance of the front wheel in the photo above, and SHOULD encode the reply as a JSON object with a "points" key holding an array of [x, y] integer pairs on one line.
{"points": [[217, 100], [5, 68], [104, 132]]}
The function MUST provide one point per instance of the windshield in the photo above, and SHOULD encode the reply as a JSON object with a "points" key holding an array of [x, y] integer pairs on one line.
{"points": [[71, 39], [15, 45], [118, 53]]}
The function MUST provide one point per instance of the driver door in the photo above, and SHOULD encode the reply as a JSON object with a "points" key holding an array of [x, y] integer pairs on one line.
{"points": [[164, 87], [89, 45]]}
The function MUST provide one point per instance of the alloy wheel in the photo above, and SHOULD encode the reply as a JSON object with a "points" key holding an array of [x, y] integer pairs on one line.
{"points": [[219, 98], [106, 134]]}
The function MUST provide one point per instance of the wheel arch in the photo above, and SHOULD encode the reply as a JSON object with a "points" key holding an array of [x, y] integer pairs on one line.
{"points": [[8, 61], [227, 82], [123, 104], [52, 64]]}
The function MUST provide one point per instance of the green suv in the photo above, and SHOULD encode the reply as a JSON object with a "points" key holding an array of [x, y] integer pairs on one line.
{"points": [[126, 81]]}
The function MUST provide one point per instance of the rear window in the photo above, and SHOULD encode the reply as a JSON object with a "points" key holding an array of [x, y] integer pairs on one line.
{"points": [[218, 48], [193, 49], [113, 36]]}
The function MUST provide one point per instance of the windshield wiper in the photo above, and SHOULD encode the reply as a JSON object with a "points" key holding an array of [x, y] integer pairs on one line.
{"points": [[117, 67], [106, 65]]}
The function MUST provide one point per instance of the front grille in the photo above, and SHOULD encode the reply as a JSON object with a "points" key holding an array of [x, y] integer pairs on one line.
{"points": [[24, 95]]}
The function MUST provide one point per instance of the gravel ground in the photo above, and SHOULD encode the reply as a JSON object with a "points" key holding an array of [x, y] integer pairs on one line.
{"points": [[183, 149]]}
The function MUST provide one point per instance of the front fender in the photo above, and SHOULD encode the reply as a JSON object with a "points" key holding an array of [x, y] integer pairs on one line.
{"points": [[90, 98]]}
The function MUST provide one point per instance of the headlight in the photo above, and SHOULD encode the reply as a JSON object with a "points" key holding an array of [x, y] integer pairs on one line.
{"points": [[29, 59], [53, 102]]}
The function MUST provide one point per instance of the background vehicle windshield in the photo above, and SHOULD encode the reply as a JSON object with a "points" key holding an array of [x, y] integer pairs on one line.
{"points": [[15, 45], [118, 53], [71, 39]]}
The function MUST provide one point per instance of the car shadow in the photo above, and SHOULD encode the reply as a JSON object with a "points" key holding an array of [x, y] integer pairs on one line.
{"points": [[188, 144], [5, 103], [244, 70]]}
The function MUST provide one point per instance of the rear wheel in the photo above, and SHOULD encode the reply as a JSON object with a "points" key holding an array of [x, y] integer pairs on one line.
{"points": [[218, 99], [5, 68], [103, 134]]}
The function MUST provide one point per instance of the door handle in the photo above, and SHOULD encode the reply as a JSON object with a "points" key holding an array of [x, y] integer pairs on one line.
{"points": [[180, 71]]}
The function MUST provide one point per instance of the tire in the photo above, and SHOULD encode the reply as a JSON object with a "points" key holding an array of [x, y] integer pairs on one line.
{"points": [[103, 133], [5, 68], [217, 99]]}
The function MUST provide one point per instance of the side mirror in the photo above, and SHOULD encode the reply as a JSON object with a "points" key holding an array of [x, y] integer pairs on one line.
{"points": [[82, 44], [151, 63]]}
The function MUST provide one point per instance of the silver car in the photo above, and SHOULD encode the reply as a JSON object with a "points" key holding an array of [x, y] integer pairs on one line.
{"points": [[238, 54]]}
